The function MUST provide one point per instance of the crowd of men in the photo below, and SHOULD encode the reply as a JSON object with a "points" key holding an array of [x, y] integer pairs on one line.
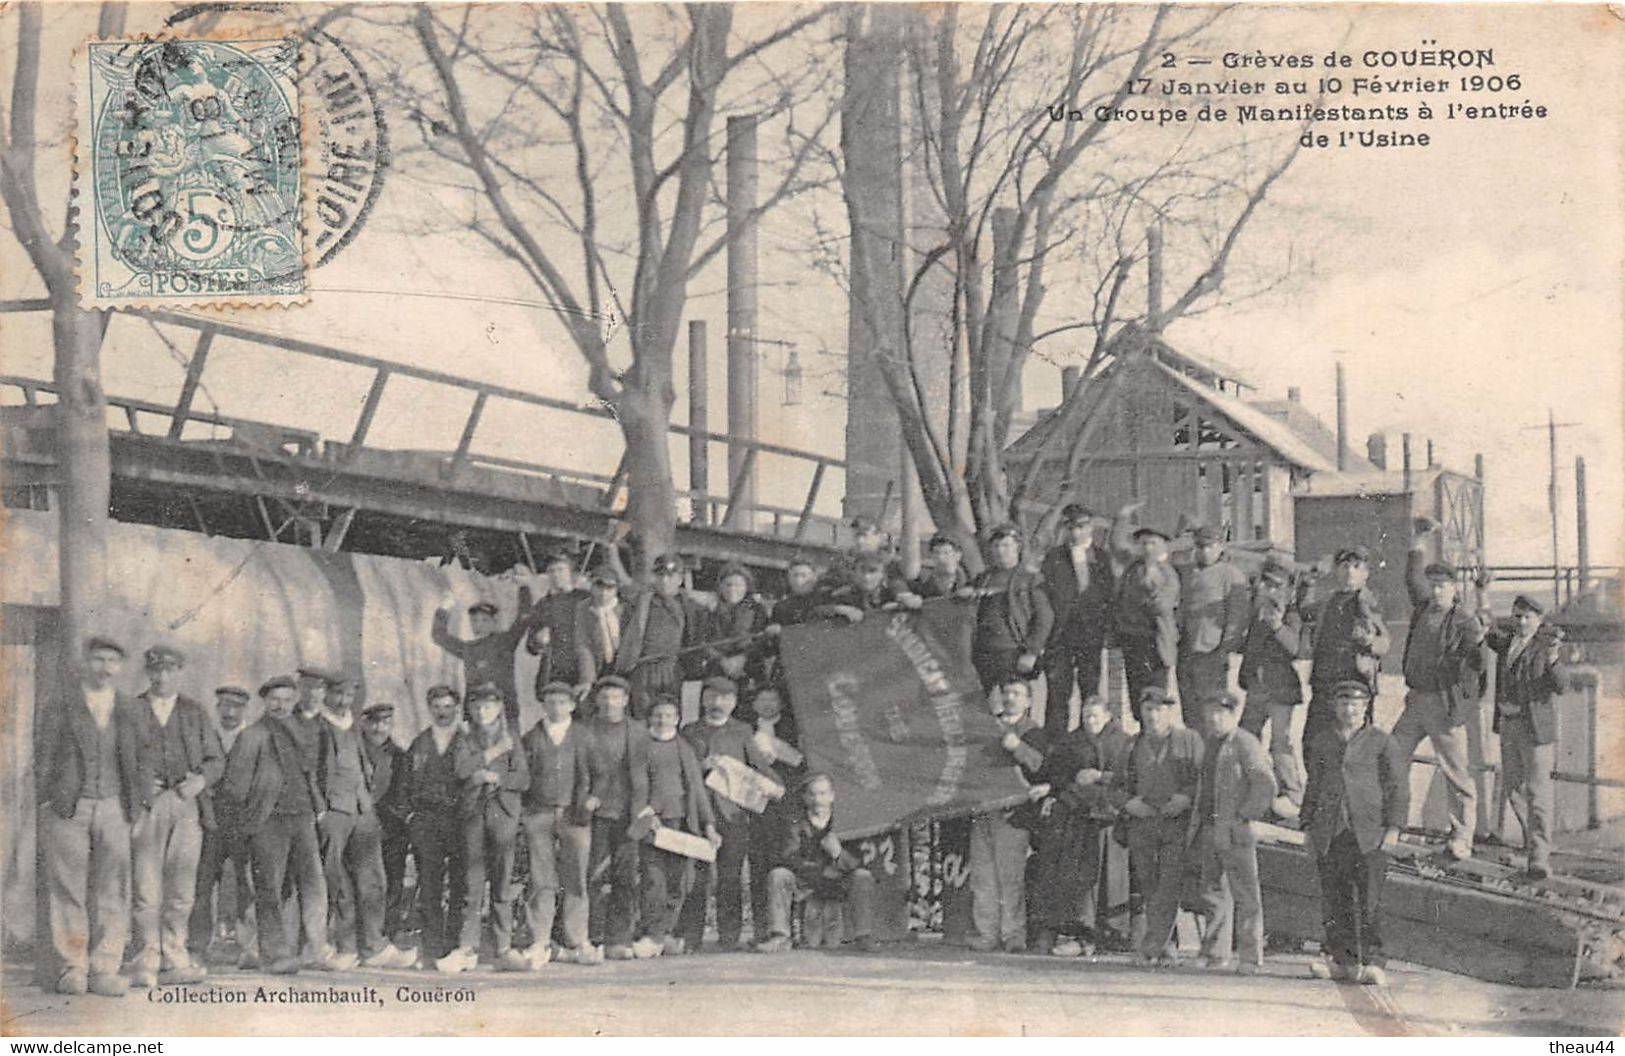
{"points": [[168, 828]]}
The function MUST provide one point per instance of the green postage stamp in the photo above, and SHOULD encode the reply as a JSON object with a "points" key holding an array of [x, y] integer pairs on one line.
{"points": [[187, 170]]}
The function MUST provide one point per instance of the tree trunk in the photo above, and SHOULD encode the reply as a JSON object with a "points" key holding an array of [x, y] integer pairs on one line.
{"points": [[651, 504], [84, 466]]}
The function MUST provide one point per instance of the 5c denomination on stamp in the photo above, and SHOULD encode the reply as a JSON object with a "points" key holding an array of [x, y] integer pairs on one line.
{"points": [[188, 176]]}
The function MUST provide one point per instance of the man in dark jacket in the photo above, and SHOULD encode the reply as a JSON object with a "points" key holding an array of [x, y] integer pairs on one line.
{"points": [[1214, 610], [1236, 787], [1529, 674], [488, 656], [1145, 610], [1442, 667], [735, 646], [664, 623], [1158, 787], [946, 578], [1357, 801], [223, 845], [601, 627], [271, 777], [617, 792], [184, 756], [553, 624], [1078, 579], [1344, 634], [1269, 676], [389, 789], [434, 819], [812, 863], [558, 831], [1013, 614], [99, 782]]}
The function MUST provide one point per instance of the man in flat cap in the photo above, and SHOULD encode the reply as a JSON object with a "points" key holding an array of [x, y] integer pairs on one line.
{"points": [[1529, 675], [305, 724], [186, 759], [434, 819], [1145, 610], [1442, 668], [1160, 778], [488, 655], [1013, 614], [736, 645], [389, 790], [1269, 677], [269, 775], [946, 578], [617, 792], [554, 624], [665, 622], [1214, 606], [1079, 580], [98, 783], [1357, 803], [557, 815], [1344, 634], [1235, 789], [601, 626], [223, 846]]}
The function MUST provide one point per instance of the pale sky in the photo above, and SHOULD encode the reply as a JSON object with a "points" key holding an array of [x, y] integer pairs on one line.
{"points": [[1468, 286]]}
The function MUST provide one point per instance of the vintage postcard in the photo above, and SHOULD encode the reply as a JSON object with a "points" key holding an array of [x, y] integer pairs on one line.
{"points": [[795, 519]]}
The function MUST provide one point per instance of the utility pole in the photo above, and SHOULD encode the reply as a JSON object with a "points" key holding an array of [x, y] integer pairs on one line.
{"points": [[1552, 426]]}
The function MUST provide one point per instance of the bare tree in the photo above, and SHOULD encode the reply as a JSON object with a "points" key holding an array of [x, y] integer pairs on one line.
{"points": [[1023, 192], [632, 97]]}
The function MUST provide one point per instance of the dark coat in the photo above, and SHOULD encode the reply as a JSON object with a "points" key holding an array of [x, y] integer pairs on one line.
{"points": [[542, 756], [558, 613], [74, 740], [1325, 638], [1368, 775], [499, 802], [1267, 658], [200, 743], [801, 851], [622, 791], [1106, 751], [488, 659], [1028, 614], [258, 763], [1460, 662], [1529, 683], [390, 776], [1080, 618]]}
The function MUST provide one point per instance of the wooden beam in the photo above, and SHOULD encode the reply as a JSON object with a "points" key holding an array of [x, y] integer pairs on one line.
{"points": [[459, 458], [341, 528], [370, 408], [812, 498], [1242, 493], [194, 374]]}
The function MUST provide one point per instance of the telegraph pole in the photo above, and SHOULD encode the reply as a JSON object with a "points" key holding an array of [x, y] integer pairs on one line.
{"points": [[1552, 426]]}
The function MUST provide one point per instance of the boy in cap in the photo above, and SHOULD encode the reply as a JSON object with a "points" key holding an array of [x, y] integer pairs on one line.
{"points": [[434, 819], [946, 578], [1160, 778], [389, 799], [811, 861], [664, 622], [493, 772], [617, 792], [735, 641], [274, 782], [1144, 612], [553, 626], [1013, 614], [1529, 674], [352, 841], [166, 841], [1270, 679], [223, 845], [98, 782], [718, 734], [678, 799], [1358, 800], [1345, 635], [488, 656], [1079, 582], [1236, 787], [803, 599], [1215, 609], [999, 839], [1442, 666], [601, 624], [557, 819], [868, 541]]}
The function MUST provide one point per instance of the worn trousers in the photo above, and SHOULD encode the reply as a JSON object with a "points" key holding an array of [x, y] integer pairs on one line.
{"points": [[728, 872], [857, 892], [437, 847], [1427, 714], [286, 846], [1068, 666], [1526, 768], [558, 864], [1200, 676], [394, 845], [87, 865], [1232, 903], [222, 849], [1351, 886], [1283, 755], [1143, 667], [666, 878], [612, 883], [165, 844], [998, 864], [353, 864], [488, 845], [1156, 848]]}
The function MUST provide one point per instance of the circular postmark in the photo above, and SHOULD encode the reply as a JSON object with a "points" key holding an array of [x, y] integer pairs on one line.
{"points": [[346, 137], [197, 160]]}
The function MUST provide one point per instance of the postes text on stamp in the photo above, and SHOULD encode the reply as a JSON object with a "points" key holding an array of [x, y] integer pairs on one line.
{"points": [[187, 172]]}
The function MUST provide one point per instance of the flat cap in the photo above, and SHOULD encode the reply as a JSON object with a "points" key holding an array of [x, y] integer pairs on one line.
{"points": [[1153, 697], [1528, 604], [943, 540], [319, 674], [605, 577], [100, 643], [1206, 535], [1146, 529], [719, 684], [488, 608], [611, 682], [162, 655], [237, 692], [667, 563], [734, 568], [666, 699], [489, 691], [1003, 531], [277, 682], [1275, 572], [440, 690], [550, 689], [378, 711], [1352, 687], [1076, 513], [1227, 701], [1358, 552], [1438, 570]]}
